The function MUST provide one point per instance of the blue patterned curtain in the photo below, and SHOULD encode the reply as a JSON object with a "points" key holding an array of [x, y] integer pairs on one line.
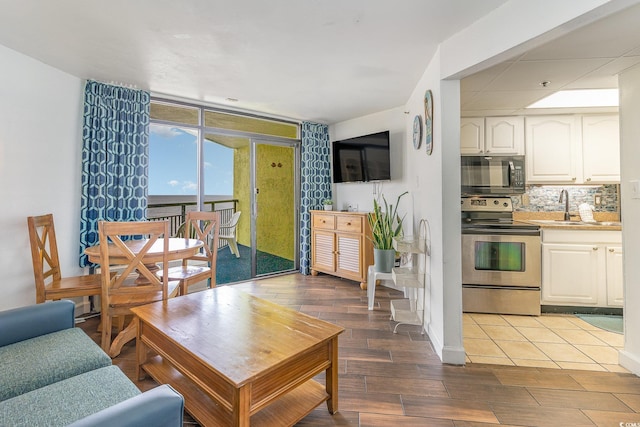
{"points": [[315, 182], [115, 158]]}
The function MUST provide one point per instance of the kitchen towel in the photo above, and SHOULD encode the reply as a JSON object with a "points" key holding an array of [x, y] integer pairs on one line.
{"points": [[586, 212]]}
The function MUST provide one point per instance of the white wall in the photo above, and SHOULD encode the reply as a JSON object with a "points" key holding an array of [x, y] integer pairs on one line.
{"points": [[40, 149], [434, 181], [629, 84], [363, 194]]}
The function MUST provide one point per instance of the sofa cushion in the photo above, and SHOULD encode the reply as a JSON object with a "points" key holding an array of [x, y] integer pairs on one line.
{"points": [[62, 403], [40, 361]]}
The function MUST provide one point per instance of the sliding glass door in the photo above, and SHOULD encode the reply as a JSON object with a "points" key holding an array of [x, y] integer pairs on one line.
{"points": [[243, 166], [275, 206]]}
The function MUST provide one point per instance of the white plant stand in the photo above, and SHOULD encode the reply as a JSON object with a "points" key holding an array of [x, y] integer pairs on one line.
{"points": [[411, 277]]}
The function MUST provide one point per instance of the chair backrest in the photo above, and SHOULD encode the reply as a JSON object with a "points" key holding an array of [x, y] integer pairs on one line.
{"points": [[229, 229], [126, 244], [44, 252], [204, 226]]}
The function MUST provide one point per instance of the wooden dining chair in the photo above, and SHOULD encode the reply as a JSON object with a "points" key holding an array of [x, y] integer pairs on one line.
{"points": [[203, 226], [134, 282], [50, 284]]}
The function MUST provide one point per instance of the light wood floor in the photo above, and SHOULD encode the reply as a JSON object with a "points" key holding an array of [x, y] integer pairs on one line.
{"points": [[561, 341], [397, 380]]}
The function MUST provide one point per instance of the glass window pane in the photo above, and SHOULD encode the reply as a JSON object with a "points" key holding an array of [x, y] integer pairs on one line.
{"points": [[218, 169], [174, 113], [250, 124], [172, 160]]}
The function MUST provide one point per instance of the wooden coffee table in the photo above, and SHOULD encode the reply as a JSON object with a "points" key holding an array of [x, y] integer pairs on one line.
{"points": [[239, 360]]}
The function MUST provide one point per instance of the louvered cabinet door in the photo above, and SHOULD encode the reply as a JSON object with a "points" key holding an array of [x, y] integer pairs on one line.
{"points": [[323, 257], [348, 249], [341, 245]]}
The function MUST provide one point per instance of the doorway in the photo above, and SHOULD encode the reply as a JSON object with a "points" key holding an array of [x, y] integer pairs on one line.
{"points": [[265, 187]]}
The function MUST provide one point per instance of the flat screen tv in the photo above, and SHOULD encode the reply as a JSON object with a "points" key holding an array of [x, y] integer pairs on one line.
{"points": [[362, 159]]}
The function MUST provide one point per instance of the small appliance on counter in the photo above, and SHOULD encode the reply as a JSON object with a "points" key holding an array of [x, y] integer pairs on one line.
{"points": [[501, 259]]}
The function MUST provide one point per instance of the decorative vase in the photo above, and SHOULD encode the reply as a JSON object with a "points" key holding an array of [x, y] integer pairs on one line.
{"points": [[328, 207], [383, 260]]}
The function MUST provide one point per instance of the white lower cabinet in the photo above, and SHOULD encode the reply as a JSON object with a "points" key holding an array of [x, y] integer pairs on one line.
{"points": [[615, 285], [582, 268]]}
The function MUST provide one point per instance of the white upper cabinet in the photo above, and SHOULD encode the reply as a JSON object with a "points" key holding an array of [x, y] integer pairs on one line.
{"points": [[601, 148], [573, 149], [491, 135], [504, 135], [553, 149], [472, 135]]}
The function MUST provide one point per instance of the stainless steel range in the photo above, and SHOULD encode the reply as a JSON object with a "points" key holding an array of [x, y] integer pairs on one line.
{"points": [[501, 259]]}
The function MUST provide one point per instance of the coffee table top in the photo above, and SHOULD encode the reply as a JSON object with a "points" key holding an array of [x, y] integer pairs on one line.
{"points": [[237, 334]]}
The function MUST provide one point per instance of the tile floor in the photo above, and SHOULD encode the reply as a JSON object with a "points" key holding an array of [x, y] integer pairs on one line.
{"points": [[549, 341]]}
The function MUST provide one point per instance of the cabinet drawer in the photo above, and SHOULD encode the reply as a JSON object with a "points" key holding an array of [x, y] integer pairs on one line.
{"points": [[326, 222], [349, 223]]}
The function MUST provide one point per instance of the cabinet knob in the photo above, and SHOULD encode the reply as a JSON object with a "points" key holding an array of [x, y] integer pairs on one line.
{"points": [[573, 179], [588, 179], [611, 250], [595, 248], [348, 223], [487, 151]]}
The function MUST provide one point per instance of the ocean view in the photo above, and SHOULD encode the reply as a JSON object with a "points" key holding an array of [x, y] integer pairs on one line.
{"points": [[166, 211]]}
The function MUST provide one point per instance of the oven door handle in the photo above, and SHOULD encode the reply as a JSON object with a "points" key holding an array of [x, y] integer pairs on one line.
{"points": [[501, 231]]}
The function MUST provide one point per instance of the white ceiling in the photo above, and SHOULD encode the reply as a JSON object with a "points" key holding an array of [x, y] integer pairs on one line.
{"points": [[319, 60], [588, 58]]}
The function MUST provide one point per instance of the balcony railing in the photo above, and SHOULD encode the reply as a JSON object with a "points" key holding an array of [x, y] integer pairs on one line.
{"points": [[165, 211]]}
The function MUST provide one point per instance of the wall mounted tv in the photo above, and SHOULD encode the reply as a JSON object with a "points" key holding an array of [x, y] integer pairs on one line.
{"points": [[362, 159]]}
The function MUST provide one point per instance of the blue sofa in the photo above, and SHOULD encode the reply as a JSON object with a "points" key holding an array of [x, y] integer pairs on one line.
{"points": [[53, 374]]}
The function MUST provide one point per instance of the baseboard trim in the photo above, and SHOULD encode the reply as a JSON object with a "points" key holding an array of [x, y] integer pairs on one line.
{"points": [[629, 361]]}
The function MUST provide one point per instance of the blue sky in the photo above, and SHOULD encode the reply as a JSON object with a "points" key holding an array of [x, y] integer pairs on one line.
{"points": [[172, 164]]}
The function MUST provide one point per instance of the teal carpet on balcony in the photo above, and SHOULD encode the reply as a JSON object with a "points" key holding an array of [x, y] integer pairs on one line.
{"points": [[230, 269], [608, 322]]}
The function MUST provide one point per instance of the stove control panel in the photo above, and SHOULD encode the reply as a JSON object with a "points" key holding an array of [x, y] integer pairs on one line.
{"points": [[487, 204]]}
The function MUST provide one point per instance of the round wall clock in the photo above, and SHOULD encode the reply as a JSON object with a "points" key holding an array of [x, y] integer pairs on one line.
{"points": [[417, 131], [428, 121]]}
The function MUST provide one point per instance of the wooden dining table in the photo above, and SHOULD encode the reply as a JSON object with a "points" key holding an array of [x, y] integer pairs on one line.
{"points": [[179, 248]]}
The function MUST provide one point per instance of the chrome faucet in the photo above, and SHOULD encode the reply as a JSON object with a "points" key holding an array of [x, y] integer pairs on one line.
{"points": [[566, 204]]}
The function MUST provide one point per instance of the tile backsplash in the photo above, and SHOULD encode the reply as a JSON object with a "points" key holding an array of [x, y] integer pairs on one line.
{"points": [[544, 198]]}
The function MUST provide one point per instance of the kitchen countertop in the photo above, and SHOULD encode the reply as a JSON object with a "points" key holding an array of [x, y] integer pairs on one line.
{"points": [[609, 221]]}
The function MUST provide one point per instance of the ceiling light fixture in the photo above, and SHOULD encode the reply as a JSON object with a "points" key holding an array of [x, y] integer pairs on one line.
{"points": [[579, 98]]}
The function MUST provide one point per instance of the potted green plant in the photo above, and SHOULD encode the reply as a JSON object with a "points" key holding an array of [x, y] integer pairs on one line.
{"points": [[385, 225], [328, 204]]}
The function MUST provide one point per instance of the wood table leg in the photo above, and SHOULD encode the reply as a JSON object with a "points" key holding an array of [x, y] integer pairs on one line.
{"points": [[332, 377], [241, 413], [141, 351], [123, 337]]}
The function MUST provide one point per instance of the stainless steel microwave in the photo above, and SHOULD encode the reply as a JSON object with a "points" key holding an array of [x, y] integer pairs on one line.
{"points": [[492, 174]]}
